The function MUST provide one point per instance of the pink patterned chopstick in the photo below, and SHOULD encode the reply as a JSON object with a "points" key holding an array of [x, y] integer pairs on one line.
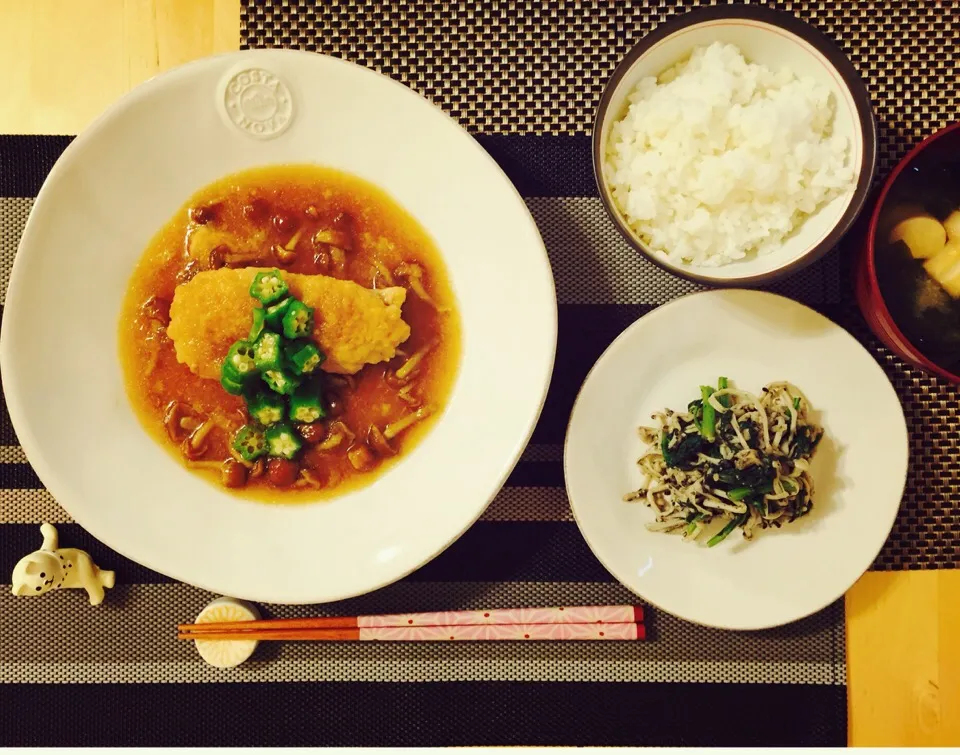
{"points": [[618, 631], [509, 616], [471, 632], [496, 617]]}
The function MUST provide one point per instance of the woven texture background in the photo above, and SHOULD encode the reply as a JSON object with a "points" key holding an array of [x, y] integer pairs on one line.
{"points": [[540, 67]]}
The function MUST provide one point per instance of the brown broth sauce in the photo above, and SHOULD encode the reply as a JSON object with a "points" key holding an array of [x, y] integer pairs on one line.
{"points": [[383, 232]]}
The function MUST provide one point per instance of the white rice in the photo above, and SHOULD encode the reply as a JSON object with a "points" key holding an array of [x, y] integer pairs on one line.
{"points": [[719, 158]]}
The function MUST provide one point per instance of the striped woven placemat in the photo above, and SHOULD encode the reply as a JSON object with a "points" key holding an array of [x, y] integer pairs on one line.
{"points": [[58, 654]]}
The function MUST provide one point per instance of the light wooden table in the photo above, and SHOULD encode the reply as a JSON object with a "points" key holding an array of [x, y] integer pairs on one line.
{"points": [[66, 60]]}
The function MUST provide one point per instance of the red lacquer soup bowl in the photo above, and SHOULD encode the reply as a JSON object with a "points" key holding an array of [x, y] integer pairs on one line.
{"points": [[915, 317]]}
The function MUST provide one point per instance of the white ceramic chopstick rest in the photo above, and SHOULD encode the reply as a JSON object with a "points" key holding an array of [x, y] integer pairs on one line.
{"points": [[226, 653], [51, 568]]}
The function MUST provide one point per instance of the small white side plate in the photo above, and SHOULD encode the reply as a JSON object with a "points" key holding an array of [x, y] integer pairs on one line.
{"points": [[752, 338]]}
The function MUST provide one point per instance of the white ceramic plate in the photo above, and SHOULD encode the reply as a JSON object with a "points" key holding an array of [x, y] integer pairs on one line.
{"points": [[114, 187], [753, 338]]}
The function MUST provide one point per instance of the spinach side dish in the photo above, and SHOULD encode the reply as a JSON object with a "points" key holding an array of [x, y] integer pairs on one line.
{"points": [[731, 461]]}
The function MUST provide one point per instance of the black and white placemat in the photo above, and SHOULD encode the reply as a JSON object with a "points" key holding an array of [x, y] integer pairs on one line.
{"points": [[524, 78], [115, 675]]}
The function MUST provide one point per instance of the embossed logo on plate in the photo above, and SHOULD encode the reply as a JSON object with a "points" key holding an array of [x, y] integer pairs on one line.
{"points": [[258, 102]]}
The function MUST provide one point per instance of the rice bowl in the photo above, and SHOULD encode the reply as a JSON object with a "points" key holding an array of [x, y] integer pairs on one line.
{"points": [[699, 224], [719, 158]]}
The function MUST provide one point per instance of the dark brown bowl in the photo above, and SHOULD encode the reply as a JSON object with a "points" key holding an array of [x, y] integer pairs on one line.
{"points": [[779, 37]]}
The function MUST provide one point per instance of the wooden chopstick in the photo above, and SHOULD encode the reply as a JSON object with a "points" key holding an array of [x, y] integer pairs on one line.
{"points": [[488, 632], [492, 617]]}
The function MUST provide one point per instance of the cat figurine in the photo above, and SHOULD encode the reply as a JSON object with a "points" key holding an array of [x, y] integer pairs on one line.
{"points": [[52, 568]]}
